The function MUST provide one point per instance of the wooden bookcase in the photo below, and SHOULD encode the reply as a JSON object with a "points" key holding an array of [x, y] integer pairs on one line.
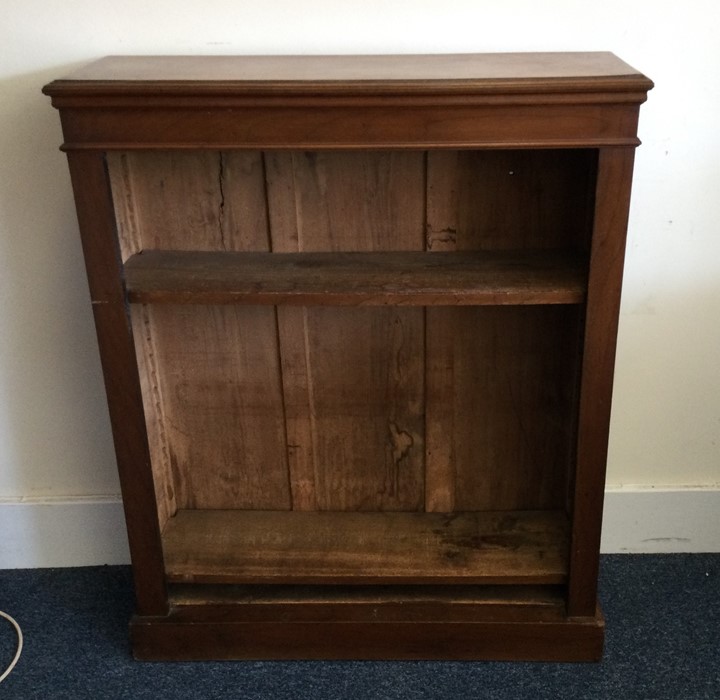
{"points": [[357, 321]]}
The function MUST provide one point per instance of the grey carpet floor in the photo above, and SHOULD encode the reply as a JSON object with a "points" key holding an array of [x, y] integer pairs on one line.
{"points": [[663, 641]]}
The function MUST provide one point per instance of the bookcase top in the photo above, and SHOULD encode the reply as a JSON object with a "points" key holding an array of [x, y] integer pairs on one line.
{"points": [[498, 73]]}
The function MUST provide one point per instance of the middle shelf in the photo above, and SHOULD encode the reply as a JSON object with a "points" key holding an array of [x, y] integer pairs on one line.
{"points": [[357, 279]]}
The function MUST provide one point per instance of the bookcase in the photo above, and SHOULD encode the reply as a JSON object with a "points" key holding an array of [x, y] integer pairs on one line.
{"points": [[357, 321]]}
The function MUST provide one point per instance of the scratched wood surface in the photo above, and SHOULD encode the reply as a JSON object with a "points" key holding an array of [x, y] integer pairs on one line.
{"points": [[500, 404], [210, 375], [328, 408], [467, 278], [506, 200], [352, 378], [216, 546], [501, 382]]}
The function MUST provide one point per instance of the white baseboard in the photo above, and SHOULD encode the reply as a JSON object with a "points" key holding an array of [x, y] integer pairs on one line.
{"points": [[91, 531], [42, 533], [661, 520]]}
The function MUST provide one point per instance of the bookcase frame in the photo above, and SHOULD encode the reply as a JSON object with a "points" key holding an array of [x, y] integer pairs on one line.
{"points": [[357, 322]]}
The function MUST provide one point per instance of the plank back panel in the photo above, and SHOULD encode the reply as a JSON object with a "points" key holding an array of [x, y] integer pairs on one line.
{"points": [[352, 378], [210, 375], [497, 382], [223, 405], [504, 200], [345, 407], [500, 405], [181, 200]]}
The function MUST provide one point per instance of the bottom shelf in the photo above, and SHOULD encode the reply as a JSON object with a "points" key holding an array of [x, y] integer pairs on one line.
{"points": [[348, 585], [281, 547]]}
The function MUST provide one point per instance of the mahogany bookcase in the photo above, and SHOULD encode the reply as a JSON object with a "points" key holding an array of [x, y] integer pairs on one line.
{"points": [[357, 321]]}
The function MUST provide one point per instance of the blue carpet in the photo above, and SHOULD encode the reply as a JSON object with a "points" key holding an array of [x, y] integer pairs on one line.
{"points": [[663, 641]]}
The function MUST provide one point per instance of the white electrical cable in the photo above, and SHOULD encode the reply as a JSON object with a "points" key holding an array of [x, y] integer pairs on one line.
{"points": [[12, 621]]}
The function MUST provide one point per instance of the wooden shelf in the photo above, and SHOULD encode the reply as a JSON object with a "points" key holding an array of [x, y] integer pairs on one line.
{"points": [[348, 279], [284, 547]]}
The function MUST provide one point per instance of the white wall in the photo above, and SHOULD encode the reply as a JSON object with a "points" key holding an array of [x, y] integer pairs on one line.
{"points": [[54, 434]]}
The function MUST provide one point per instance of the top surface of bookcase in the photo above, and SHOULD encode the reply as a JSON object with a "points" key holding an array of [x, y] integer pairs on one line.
{"points": [[510, 100], [411, 74]]}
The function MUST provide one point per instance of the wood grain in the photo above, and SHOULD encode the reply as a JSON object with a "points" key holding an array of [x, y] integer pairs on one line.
{"points": [[536, 72], [501, 381], [93, 203], [615, 169], [368, 279], [461, 101], [203, 201], [386, 387], [223, 406], [560, 639], [228, 451], [500, 400], [166, 477], [223, 546], [509, 200], [352, 378], [346, 201], [424, 602]]}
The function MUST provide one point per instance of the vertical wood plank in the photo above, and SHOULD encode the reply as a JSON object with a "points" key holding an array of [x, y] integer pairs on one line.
{"points": [[297, 387], [506, 199], [367, 407], [440, 428], [189, 200], [497, 382], [93, 201], [223, 405], [362, 453], [441, 227], [515, 368], [612, 204], [294, 349], [205, 200], [500, 396]]}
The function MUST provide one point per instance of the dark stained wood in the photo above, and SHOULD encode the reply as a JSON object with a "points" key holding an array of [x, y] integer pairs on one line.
{"points": [[412, 278], [561, 639], [419, 603], [499, 404], [532, 72], [352, 378], [210, 376], [368, 306], [117, 353], [500, 381], [488, 100], [219, 384], [423, 603], [606, 269], [234, 546], [351, 125], [509, 200]]}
